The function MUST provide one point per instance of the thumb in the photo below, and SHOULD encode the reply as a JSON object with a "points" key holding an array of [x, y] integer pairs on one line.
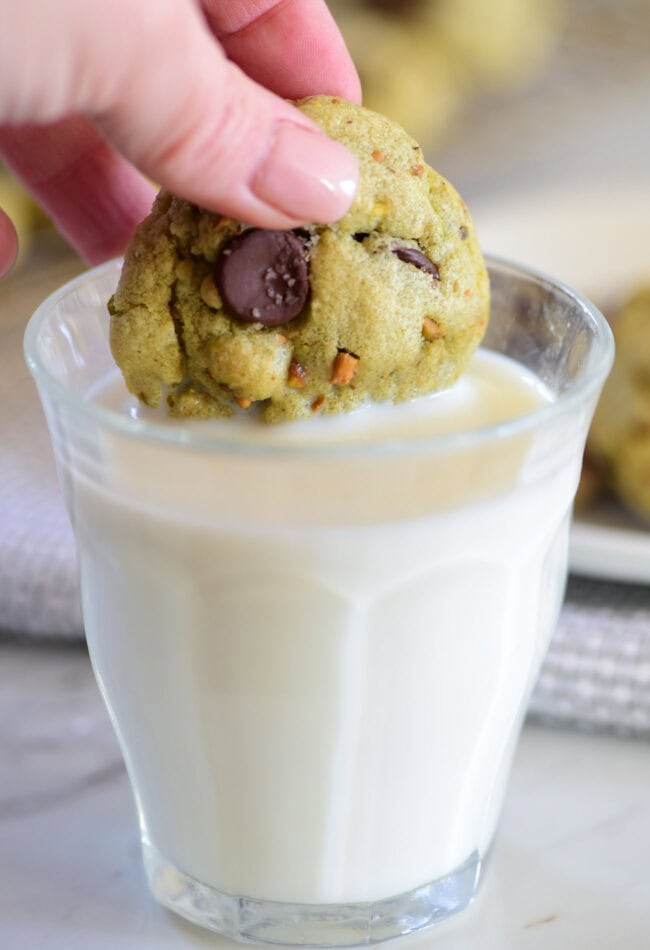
{"points": [[193, 122]]}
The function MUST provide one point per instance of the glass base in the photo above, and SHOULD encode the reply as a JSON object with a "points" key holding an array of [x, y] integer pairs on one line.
{"points": [[310, 925]]}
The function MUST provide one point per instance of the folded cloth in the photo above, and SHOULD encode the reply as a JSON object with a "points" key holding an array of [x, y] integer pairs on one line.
{"points": [[596, 674], [39, 591]]}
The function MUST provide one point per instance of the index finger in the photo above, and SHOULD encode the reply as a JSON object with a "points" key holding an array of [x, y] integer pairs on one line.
{"points": [[292, 47]]}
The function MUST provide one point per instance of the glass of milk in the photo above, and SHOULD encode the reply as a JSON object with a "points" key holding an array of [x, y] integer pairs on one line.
{"points": [[317, 640]]}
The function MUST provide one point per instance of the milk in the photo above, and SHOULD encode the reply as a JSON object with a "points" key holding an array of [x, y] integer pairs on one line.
{"points": [[317, 640]]}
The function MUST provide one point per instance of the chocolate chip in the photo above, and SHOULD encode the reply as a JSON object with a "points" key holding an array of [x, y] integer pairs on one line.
{"points": [[263, 277], [360, 236], [412, 256]]}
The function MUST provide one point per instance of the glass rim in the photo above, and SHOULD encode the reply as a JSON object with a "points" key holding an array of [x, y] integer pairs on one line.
{"points": [[181, 436]]}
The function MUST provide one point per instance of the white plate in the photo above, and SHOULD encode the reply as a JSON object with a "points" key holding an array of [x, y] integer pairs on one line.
{"points": [[595, 238], [608, 543]]}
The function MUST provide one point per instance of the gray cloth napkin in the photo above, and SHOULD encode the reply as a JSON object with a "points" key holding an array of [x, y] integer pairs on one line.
{"points": [[39, 592], [597, 672]]}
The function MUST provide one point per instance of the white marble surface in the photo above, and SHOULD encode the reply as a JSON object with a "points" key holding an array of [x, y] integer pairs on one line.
{"points": [[569, 868]]}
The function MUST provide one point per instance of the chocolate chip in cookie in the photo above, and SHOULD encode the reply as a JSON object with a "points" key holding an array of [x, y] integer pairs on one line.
{"points": [[411, 255], [263, 276]]}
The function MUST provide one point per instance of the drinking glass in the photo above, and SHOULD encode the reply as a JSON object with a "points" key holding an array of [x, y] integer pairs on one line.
{"points": [[317, 657]]}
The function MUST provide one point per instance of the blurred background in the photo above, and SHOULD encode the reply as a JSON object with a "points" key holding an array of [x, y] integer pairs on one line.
{"points": [[536, 110]]}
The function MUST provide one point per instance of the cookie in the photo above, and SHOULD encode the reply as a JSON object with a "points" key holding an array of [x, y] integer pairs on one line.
{"points": [[501, 43], [419, 60], [591, 487], [23, 212], [405, 69], [619, 440], [388, 303]]}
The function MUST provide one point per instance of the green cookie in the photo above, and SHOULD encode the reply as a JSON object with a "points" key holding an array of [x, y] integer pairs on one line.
{"points": [[388, 303]]}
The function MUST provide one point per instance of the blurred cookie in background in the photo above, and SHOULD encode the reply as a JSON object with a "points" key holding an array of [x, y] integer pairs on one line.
{"points": [[420, 60], [619, 441], [405, 71], [27, 218], [591, 488], [498, 42]]}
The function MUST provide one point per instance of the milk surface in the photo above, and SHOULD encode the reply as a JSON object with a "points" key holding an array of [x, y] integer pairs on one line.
{"points": [[317, 651]]}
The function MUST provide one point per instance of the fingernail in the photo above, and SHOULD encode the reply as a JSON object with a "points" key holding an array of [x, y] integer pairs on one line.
{"points": [[307, 175]]}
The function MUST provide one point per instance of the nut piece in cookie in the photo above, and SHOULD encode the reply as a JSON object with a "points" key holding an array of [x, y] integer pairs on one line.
{"points": [[388, 303]]}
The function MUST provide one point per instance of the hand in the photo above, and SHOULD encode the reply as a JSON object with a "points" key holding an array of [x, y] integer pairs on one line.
{"points": [[95, 92]]}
